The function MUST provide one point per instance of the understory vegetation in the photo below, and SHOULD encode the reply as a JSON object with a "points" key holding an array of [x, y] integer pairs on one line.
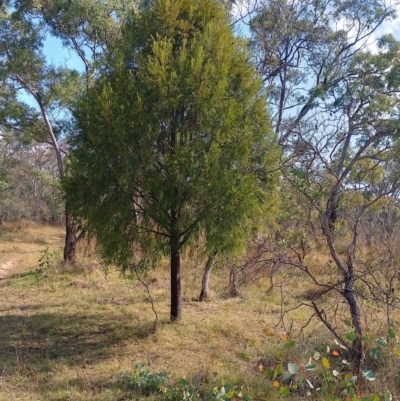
{"points": [[84, 333]]}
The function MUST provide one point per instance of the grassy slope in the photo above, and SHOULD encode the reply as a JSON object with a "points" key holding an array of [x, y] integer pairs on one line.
{"points": [[66, 335]]}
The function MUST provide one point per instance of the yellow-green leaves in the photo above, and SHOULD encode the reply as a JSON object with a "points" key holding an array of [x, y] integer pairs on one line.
{"points": [[182, 139], [325, 363]]}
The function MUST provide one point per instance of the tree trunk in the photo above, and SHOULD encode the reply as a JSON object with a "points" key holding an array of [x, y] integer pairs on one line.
{"points": [[356, 348], [176, 299], [70, 237], [3, 218], [206, 277], [334, 201], [333, 216], [332, 208], [233, 291]]}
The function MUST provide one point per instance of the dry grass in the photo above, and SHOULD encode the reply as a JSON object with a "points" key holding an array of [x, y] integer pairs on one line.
{"points": [[23, 242], [66, 333]]}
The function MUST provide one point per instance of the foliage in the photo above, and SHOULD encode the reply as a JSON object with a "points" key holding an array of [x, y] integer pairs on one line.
{"points": [[47, 258], [330, 368], [37, 95], [174, 146], [177, 135], [29, 183], [144, 382], [335, 107]]}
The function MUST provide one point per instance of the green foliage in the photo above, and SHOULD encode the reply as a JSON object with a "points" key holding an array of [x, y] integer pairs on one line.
{"points": [[174, 141], [183, 390], [79, 24], [142, 380], [228, 392], [47, 258], [329, 368], [45, 262], [35, 93]]}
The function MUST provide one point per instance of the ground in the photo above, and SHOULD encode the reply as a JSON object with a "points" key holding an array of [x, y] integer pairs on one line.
{"points": [[68, 333]]}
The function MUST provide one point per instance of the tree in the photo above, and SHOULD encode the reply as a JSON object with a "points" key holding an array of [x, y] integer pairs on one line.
{"points": [[173, 141], [303, 49], [345, 170], [29, 183], [86, 27], [23, 67], [334, 106], [206, 276]]}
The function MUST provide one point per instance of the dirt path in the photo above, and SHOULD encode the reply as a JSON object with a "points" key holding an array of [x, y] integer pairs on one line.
{"points": [[5, 268]]}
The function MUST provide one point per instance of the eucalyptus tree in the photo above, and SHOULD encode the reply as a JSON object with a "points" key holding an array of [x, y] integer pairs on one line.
{"points": [[85, 27], [303, 49], [333, 90], [24, 67], [350, 152], [173, 141]]}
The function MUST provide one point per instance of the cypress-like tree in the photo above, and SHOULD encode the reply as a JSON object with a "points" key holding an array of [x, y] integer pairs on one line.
{"points": [[173, 141]]}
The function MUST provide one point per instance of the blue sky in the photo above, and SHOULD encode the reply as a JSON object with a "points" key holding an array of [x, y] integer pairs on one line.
{"points": [[58, 54]]}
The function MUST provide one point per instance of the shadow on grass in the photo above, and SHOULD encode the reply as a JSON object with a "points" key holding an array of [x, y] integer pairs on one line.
{"points": [[31, 342], [29, 307], [33, 273], [34, 349]]}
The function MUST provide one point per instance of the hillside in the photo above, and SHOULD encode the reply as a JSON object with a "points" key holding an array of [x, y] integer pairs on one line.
{"points": [[70, 333], [66, 334]]}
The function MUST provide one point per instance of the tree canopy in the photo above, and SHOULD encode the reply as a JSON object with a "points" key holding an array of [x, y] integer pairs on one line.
{"points": [[173, 141]]}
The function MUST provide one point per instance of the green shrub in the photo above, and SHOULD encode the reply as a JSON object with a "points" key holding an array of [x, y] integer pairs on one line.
{"points": [[142, 380]]}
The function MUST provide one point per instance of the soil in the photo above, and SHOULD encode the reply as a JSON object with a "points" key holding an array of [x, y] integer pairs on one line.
{"points": [[6, 268]]}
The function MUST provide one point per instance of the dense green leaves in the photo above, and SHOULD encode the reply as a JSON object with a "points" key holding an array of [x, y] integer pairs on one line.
{"points": [[174, 140]]}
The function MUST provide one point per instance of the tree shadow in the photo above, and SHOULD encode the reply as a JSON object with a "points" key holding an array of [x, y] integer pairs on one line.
{"points": [[70, 339], [34, 273]]}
